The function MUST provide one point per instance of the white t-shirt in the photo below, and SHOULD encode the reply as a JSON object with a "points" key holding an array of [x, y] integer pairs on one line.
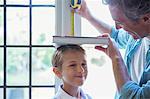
{"points": [[61, 94], [139, 60]]}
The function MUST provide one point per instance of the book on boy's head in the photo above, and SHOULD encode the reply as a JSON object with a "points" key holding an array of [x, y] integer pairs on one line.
{"points": [[80, 40]]}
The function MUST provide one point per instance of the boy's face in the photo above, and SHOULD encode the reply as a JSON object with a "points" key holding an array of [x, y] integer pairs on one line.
{"points": [[74, 68], [139, 27]]}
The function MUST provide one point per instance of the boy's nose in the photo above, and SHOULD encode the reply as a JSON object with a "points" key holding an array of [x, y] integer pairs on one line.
{"points": [[80, 69]]}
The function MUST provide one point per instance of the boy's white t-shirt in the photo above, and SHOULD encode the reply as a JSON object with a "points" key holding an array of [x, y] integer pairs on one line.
{"points": [[61, 94]]}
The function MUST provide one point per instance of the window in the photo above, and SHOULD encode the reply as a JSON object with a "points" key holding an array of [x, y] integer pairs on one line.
{"points": [[26, 29]]}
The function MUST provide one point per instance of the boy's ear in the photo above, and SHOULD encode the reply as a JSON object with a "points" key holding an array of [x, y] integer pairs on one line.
{"points": [[57, 72]]}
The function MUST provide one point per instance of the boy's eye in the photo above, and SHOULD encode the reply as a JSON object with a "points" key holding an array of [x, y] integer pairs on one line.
{"points": [[84, 65], [72, 65]]}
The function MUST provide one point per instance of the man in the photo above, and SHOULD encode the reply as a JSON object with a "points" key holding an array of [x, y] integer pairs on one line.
{"points": [[132, 75]]}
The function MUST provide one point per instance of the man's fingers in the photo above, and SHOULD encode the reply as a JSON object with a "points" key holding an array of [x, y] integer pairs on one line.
{"points": [[101, 48]]}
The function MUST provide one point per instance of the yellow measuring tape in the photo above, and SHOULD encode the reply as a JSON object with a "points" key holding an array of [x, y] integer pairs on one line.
{"points": [[75, 4], [72, 24]]}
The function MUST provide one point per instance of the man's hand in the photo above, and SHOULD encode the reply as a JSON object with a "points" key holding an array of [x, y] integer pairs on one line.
{"points": [[83, 11], [111, 50], [119, 68]]}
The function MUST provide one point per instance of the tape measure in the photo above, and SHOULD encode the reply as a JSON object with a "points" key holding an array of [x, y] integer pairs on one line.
{"points": [[76, 4]]}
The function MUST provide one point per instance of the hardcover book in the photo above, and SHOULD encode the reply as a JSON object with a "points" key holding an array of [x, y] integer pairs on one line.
{"points": [[80, 40]]}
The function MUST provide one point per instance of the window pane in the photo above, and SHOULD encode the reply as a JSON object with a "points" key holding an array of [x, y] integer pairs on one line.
{"points": [[18, 26], [100, 11], [17, 93], [17, 1], [1, 93], [42, 93], [43, 25], [43, 1], [41, 66], [17, 66], [1, 26], [99, 64], [1, 1], [1, 67]]}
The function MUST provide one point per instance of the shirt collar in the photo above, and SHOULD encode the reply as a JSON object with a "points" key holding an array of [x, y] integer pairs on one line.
{"points": [[64, 94]]}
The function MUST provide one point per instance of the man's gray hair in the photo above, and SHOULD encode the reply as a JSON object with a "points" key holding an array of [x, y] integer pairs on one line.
{"points": [[133, 9]]}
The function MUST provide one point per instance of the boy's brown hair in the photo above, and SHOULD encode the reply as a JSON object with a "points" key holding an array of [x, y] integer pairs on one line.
{"points": [[57, 59]]}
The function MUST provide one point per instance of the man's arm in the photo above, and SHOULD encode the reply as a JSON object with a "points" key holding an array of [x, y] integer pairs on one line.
{"points": [[119, 69], [127, 88], [101, 26], [132, 90]]}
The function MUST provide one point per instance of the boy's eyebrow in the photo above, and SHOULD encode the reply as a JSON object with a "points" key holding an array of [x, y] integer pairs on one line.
{"points": [[76, 61], [72, 61]]}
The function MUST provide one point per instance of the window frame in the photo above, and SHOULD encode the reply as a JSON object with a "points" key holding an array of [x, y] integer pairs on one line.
{"points": [[4, 47]]}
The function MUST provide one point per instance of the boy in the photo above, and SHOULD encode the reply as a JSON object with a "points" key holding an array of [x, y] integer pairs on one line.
{"points": [[69, 64]]}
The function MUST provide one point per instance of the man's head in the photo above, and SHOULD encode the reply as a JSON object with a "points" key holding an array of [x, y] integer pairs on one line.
{"points": [[132, 15]]}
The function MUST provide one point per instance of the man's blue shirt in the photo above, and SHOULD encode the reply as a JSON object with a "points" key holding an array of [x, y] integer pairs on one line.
{"points": [[133, 89]]}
